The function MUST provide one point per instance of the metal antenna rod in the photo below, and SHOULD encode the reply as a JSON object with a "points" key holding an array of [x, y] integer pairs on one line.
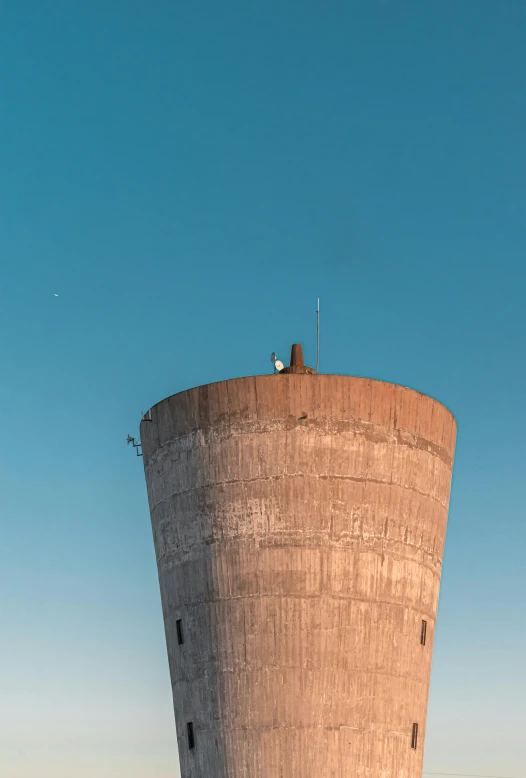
{"points": [[318, 336]]}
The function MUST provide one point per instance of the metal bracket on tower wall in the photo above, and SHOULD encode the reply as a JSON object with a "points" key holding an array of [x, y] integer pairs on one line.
{"points": [[136, 444]]}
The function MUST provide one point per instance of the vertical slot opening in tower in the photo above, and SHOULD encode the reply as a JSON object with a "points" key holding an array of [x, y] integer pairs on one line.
{"points": [[190, 734], [179, 628], [423, 633], [414, 738]]}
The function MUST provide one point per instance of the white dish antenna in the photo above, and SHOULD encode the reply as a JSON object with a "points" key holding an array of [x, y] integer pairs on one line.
{"points": [[279, 365]]}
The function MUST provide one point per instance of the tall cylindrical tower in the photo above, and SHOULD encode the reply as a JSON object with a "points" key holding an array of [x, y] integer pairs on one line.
{"points": [[299, 523]]}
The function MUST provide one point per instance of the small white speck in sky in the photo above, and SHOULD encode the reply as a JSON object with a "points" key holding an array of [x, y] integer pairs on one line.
{"points": [[56, 295]]}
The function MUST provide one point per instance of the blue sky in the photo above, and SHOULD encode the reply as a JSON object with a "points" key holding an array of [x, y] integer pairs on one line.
{"points": [[189, 178]]}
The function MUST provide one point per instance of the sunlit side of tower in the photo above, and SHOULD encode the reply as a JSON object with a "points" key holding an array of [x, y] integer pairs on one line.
{"points": [[299, 524]]}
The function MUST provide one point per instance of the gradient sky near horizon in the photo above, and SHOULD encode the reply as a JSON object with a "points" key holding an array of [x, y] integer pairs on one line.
{"points": [[189, 178]]}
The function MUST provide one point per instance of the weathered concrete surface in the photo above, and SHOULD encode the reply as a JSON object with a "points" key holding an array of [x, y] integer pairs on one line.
{"points": [[299, 524]]}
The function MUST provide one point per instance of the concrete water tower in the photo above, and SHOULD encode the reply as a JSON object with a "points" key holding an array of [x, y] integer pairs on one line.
{"points": [[299, 522]]}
